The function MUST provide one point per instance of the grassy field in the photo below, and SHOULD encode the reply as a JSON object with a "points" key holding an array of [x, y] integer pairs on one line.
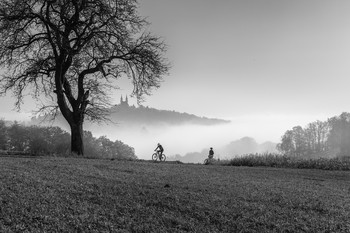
{"points": [[89, 195]]}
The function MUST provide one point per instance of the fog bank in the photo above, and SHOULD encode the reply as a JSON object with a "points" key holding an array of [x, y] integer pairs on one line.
{"points": [[182, 139]]}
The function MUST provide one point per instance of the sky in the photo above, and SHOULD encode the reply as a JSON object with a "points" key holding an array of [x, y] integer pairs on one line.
{"points": [[266, 64], [252, 57], [276, 61]]}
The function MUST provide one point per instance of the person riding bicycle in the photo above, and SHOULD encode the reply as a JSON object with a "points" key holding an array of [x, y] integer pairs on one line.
{"points": [[211, 153], [159, 150], [210, 156]]}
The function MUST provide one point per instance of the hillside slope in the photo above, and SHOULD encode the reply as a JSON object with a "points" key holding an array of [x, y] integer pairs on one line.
{"points": [[151, 116], [124, 114]]}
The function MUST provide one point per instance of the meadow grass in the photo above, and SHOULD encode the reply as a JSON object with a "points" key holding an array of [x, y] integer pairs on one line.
{"points": [[90, 195], [276, 160]]}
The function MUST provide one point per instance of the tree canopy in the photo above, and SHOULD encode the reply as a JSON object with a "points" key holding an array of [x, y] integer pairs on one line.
{"points": [[74, 51]]}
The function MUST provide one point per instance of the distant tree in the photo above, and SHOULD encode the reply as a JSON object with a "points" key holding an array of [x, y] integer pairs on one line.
{"points": [[322, 130], [47, 140], [316, 136], [74, 51], [91, 144], [339, 135], [311, 137], [58, 139], [123, 150], [299, 140], [295, 142], [287, 144], [117, 149], [38, 141], [106, 147], [18, 137], [3, 135], [330, 137]]}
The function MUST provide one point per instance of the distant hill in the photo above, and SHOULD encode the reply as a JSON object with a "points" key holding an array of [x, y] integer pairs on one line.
{"points": [[124, 114], [245, 145], [151, 116]]}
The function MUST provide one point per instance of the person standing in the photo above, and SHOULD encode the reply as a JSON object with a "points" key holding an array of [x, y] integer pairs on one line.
{"points": [[211, 153]]}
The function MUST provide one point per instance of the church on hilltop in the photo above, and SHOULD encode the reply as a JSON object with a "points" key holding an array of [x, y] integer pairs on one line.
{"points": [[125, 102], [129, 114]]}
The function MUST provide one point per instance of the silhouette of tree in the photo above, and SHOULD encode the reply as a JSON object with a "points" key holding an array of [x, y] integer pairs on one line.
{"points": [[328, 138], [287, 144], [46, 140], [73, 51], [316, 136], [294, 142]]}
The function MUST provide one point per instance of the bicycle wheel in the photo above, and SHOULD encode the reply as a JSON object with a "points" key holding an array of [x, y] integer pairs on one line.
{"points": [[155, 157], [206, 161], [163, 158]]}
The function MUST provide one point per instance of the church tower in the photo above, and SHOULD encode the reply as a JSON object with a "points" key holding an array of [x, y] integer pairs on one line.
{"points": [[124, 103]]}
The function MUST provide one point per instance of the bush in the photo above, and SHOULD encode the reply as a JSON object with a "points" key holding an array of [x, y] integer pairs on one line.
{"points": [[276, 160]]}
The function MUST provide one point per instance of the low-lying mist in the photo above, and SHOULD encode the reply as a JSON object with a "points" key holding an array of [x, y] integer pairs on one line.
{"points": [[183, 139], [192, 139]]}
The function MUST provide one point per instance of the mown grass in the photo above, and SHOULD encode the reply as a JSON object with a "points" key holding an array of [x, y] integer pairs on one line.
{"points": [[275, 160], [88, 195]]}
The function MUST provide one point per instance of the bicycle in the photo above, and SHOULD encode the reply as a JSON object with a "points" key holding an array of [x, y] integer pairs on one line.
{"points": [[208, 161], [156, 157]]}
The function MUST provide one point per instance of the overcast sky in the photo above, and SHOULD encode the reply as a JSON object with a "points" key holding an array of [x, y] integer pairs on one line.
{"points": [[233, 58], [281, 60]]}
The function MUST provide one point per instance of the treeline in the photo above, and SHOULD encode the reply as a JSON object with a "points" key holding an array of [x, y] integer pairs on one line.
{"points": [[35, 140], [322, 138]]}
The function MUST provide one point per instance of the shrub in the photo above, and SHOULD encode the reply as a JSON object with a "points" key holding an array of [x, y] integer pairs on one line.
{"points": [[276, 160]]}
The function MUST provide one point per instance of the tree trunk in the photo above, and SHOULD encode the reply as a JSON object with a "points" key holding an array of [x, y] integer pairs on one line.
{"points": [[77, 145]]}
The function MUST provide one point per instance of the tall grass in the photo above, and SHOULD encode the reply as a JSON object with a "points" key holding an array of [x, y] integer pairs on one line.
{"points": [[282, 161]]}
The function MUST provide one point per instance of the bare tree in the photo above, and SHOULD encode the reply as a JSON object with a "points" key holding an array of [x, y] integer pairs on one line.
{"points": [[73, 51]]}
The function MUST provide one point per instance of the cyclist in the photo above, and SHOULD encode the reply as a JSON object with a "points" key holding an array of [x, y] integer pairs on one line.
{"points": [[211, 153], [159, 150], [210, 156]]}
